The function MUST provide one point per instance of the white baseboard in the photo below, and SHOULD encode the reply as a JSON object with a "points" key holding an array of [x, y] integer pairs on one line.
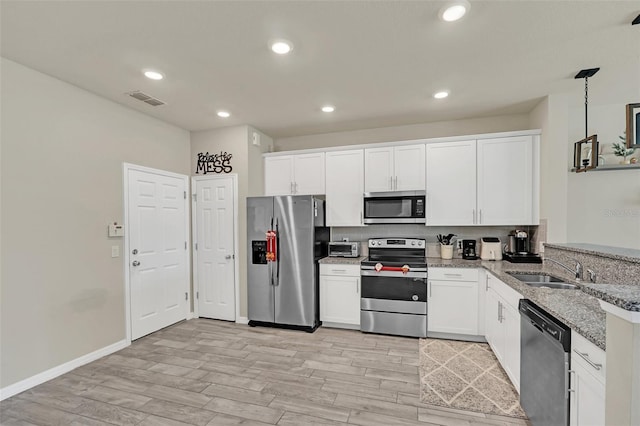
{"points": [[191, 315], [242, 320], [54, 372]]}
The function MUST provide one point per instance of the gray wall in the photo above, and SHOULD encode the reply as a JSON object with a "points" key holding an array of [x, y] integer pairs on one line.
{"points": [[62, 295], [248, 165]]}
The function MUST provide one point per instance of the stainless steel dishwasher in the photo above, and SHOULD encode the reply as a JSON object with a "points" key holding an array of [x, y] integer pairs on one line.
{"points": [[545, 345]]}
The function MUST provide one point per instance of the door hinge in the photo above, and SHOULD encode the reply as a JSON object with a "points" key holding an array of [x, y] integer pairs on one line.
{"points": [[197, 295], [186, 296], [195, 197], [185, 245], [196, 246], [185, 195]]}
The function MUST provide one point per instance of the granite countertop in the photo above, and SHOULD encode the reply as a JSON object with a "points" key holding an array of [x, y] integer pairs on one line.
{"points": [[574, 308], [625, 296], [342, 260], [616, 253]]}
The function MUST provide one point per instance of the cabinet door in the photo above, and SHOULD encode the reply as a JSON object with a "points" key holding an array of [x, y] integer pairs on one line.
{"points": [[493, 329], [505, 181], [378, 169], [453, 307], [278, 175], [308, 174], [511, 325], [344, 187], [451, 183], [588, 398], [409, 168], [340, 299]]}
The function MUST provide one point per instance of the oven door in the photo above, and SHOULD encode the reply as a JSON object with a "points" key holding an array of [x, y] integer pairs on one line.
{"points": [[391, 285]]}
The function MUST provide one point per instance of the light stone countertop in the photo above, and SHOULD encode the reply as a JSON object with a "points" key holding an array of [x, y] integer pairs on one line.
{"points": [[616, 253], [574, 308], [625, 296], [342, 260]]}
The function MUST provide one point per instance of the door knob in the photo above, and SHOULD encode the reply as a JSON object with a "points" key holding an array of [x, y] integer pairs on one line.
{"points": [[135, 251], [228, 256], [135, 263]]}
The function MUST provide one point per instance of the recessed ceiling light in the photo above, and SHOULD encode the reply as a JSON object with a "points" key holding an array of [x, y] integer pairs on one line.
{"points": [[153, 75], [441, 95], [454, 11], [223, 114], [328, 108], [281, 47]]}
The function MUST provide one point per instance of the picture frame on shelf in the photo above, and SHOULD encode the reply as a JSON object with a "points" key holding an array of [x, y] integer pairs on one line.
{"points": [[633, 125], [585, 154]]}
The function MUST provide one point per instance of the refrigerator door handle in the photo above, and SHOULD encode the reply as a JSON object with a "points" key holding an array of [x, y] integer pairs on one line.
{"points": [[277, 281]]}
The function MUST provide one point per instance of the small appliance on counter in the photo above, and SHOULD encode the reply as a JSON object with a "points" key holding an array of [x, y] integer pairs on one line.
{"points": [[344, 249], [517, 249], [490, 248], [469, 250]]}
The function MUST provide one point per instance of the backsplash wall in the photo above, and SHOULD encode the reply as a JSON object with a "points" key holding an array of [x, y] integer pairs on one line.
{"points": [[363, 233]]}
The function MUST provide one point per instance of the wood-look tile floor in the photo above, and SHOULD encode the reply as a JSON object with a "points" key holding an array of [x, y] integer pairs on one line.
{"points": [[206, 372]]}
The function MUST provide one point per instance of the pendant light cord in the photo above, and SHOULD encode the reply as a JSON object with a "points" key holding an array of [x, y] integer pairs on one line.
{"points": [[586, 106]]}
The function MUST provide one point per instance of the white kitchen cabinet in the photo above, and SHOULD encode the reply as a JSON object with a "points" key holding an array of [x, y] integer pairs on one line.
{"points": [[340, 295], [344, 187], [451, 183], [301, 174], [483, 182], [453, 302], [505, 186], [502, 326], [587, 404], [399, 168]]}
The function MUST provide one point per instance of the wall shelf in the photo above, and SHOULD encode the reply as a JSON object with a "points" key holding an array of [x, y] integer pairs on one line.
{"points": [[613, 167]]}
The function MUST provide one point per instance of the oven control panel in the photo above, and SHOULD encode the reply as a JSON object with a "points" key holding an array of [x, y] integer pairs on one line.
{"points": [[397, 243]]}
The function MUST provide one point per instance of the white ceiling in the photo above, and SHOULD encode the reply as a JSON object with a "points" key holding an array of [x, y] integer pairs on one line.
{"points": [[378, 62]]}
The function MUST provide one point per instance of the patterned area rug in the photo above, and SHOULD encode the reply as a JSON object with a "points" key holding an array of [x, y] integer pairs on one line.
{"points": [[466, 376]]}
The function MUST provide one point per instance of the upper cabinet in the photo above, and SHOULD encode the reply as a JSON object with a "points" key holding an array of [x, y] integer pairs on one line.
{"points": [[301, 174], [344, 187], [506, 181], [451, 183], [399, 168], [483, 182]]}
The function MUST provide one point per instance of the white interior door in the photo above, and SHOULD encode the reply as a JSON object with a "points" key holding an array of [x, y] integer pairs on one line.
{"points": [[158, 259], [215, 249]]}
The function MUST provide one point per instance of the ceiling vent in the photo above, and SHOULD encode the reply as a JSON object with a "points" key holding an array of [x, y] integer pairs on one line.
{"points": [[146, 98]]}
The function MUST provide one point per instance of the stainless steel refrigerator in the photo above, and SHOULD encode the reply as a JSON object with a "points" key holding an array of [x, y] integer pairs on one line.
{"points": [[286, 238]]}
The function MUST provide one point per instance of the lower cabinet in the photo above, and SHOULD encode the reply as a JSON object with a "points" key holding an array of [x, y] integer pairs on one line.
{"points": [[453, 302], [587, 403], [340, 295], [502, 326]]}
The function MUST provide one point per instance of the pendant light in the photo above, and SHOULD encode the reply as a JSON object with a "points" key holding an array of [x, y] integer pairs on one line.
{"points": [[580, 164]]}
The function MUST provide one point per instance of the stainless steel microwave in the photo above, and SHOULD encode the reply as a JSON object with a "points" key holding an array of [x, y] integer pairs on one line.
{"points": [[394, 207]]}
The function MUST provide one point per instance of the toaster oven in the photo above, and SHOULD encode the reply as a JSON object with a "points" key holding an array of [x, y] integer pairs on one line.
{"points": [[344, 249]]}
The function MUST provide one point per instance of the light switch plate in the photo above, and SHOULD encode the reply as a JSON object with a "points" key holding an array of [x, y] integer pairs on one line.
{"points": [[115, 251]]}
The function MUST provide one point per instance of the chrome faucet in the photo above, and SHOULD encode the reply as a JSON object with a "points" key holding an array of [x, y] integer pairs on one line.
{"points": [[577, 271]]}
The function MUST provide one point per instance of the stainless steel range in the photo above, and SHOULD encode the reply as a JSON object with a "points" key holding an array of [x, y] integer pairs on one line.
{"points": [[394, 287]]}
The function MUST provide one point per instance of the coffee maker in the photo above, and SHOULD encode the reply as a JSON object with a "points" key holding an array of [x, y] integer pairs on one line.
{"points": [[469, 249], [517, 249]]}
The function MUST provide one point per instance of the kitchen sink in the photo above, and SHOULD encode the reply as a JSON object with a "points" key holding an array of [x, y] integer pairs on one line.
{"points": [[543, 281], [560, 286], [535, 278]]}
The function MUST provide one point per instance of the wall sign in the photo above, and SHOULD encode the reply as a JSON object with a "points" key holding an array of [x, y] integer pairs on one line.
{"points": [[214, 163]]}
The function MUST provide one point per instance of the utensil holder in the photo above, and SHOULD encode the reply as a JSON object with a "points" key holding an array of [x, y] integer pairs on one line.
{"points": [[446, 252]]}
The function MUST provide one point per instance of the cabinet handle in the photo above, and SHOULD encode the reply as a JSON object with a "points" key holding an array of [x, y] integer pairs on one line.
{"points": [[500, 317], [395, 183], [452, 275], [357, 287], [585, 356], [339, 270], [429, 288], [295, 187], [567, 380], [391, 182], [486, 283], [480, 217], [474, 215], [291, 187]]}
